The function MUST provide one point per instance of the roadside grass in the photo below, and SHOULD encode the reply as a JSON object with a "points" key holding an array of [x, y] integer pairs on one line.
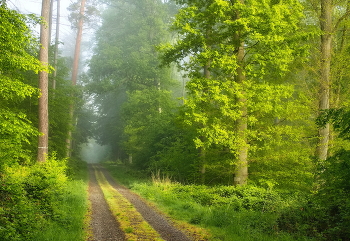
{"points": [[71, 224], [131, 221], [228, 213]]}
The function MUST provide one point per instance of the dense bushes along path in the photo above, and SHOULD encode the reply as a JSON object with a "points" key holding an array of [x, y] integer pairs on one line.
{"points": [[119, 214]]}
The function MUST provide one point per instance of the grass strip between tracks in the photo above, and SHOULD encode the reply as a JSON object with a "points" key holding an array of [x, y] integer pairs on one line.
{"points": [[131, 221]]}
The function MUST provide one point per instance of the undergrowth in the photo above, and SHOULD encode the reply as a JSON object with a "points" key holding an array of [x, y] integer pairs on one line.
{"points": [[41, 202], [229, 213]]}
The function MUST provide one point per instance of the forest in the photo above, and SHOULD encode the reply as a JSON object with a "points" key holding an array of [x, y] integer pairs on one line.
{"points": [[232, 116]]}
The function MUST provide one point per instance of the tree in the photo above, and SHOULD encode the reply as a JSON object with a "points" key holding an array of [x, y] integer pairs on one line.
{"points": [[16, 43], [43, 84], [56, 42], [244, 42], [75, 67], [325, 70], [125, 75], [329, 25]]}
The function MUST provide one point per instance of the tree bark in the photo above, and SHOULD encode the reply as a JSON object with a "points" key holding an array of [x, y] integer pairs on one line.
{"points": [[202, 151], [50, 20], [75, 69], [241, 171], [43, 85], [325, 75], [56, 43], [78, 43]]}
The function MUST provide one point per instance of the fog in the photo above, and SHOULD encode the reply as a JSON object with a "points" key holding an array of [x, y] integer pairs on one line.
{"points": [[92, 152]]}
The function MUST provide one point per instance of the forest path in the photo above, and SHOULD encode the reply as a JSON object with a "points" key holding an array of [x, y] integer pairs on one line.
{"points": [[103, 224], [100, 227]]}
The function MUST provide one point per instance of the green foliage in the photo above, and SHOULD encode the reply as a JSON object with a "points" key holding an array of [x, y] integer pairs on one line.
{"points": [[126, 57], [339, 118], [15, 41], [210, 35], [176, 154], [126, 82], [325, 214], [17, 131], [72, 206], [37, 202], [332, 199], [29, 197], [268, 29], [124, 174], [147, 116], [236, 198], [60, 100]]}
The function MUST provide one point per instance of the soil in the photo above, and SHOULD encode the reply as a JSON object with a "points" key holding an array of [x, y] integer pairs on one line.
{"points": [[105, 227]]}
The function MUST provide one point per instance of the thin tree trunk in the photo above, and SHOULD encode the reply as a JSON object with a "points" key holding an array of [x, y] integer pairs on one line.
{"points": [[183, 90], [78, 43], [43, 85], [202, 156], [56, 43], [325, 75], [50, 20], [159, 104], [75, 69], [202, 151]]}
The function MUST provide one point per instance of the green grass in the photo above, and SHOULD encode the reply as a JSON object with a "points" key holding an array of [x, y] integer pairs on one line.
{"points": [[71, 224], [228, 213]]}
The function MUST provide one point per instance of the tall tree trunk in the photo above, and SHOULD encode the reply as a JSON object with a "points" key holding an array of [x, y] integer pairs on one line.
{"points": [[56, 43], [43, 85], [325, 75], [75, 69], [241, 171]]}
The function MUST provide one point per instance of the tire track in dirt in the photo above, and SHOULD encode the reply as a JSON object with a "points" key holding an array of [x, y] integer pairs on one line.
{"points": [[103, 225], [160, 223]]}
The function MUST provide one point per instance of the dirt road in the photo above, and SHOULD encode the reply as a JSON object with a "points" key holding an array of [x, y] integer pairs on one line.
{"points": [[105, 226]]}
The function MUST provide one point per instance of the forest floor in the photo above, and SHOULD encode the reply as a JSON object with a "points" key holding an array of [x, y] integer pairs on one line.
{"points": [[119, 214]]}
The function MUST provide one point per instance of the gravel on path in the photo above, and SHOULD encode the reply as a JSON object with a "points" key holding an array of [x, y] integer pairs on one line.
{"points": [[159, 222], [103, 225]]}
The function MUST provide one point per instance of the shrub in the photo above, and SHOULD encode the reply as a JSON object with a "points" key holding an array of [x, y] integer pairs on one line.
{"points": [[326, 213], [29, 197]]}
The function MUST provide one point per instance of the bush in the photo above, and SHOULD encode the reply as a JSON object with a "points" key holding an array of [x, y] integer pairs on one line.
{"points": [[29, 196], [326, 213], [242, 197]]}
